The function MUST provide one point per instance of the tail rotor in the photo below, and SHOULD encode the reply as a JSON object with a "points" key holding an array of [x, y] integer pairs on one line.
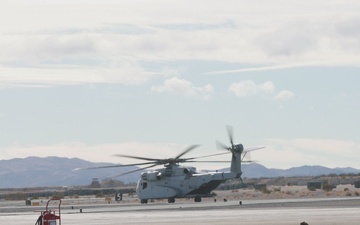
{"points": [[238, 152]]}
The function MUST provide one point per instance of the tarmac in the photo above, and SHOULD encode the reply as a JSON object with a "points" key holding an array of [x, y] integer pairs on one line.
{"points": [[314, 211]]}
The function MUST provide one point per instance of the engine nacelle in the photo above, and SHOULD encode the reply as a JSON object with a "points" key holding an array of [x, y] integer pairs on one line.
{"points": [[189, 170], [151, 176]]}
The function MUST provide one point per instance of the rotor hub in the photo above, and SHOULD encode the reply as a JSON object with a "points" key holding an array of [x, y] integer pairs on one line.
{"points": [[239, 148]]}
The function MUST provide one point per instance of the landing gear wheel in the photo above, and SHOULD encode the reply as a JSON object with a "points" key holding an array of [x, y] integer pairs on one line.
{"points": [[144, 201], [197, 199], [171, 200]]}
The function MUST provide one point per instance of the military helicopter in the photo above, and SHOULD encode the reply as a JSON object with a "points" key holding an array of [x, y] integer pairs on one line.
{"points": [[175, 181]]}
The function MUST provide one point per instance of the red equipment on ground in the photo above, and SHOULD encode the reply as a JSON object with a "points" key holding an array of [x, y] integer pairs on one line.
{"points": [[50, 217]]}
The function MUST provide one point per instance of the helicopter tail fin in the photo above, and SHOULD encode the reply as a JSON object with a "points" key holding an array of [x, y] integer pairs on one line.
{"points": [[236, 160]]}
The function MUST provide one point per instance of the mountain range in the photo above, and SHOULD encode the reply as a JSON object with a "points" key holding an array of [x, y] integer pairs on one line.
{"points": [[58, 171]]}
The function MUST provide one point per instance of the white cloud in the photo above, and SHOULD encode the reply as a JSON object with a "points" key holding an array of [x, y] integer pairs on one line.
{"points": [[40, 35], [250, 88], [243, 88], [183, 87], [294, 38], [284, 95], [267, 87]]}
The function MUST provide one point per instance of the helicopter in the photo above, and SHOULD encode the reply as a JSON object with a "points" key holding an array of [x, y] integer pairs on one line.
{"points": [[175, 181]]}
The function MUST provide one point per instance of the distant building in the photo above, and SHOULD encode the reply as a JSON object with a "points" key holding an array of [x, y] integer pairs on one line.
{"points": [[95, 183], [357, 184]]}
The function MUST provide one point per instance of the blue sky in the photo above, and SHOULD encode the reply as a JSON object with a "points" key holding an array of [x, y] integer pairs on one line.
{"points": [[91, 79]]}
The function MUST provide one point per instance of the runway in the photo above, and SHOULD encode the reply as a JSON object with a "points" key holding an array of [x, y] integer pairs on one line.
{"points": [[333, 211]]}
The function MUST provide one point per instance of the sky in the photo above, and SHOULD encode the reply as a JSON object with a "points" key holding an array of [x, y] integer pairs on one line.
{"points": [[90, 79]]}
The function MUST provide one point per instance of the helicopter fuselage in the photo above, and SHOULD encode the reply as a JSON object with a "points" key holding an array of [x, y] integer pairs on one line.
{"points": [[175, 181]]}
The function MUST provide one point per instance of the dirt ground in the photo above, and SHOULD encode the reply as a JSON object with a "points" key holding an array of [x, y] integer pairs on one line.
{"points": [[283, 192]]}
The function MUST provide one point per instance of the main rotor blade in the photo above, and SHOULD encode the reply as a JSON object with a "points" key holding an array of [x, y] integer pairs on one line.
{"points": [[136, 157], [230, 133], [112, 166], [205, 161], [186, 151], [249, 161], [250, 149], [204, 156], [132, 171], [219, 161], [221, 145]]}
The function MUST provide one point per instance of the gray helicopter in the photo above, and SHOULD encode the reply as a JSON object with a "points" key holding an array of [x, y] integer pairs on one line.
{"points": [[175, 181]]}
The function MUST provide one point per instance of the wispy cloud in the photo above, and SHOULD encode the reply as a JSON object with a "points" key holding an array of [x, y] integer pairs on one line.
{"points": [[91, 152], [102, 152], [126, 74], [279, 153], [286, 153], [260, 68]]}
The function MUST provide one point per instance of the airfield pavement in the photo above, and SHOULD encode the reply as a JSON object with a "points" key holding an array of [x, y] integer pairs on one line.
{"points": [[314, 211]]}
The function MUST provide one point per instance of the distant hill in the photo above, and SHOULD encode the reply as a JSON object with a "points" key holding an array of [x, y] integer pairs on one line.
{"points": [[255, 170], [57, 171]]}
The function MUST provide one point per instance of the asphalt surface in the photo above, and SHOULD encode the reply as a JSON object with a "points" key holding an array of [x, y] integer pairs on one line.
{"points": [[252, 212]]}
